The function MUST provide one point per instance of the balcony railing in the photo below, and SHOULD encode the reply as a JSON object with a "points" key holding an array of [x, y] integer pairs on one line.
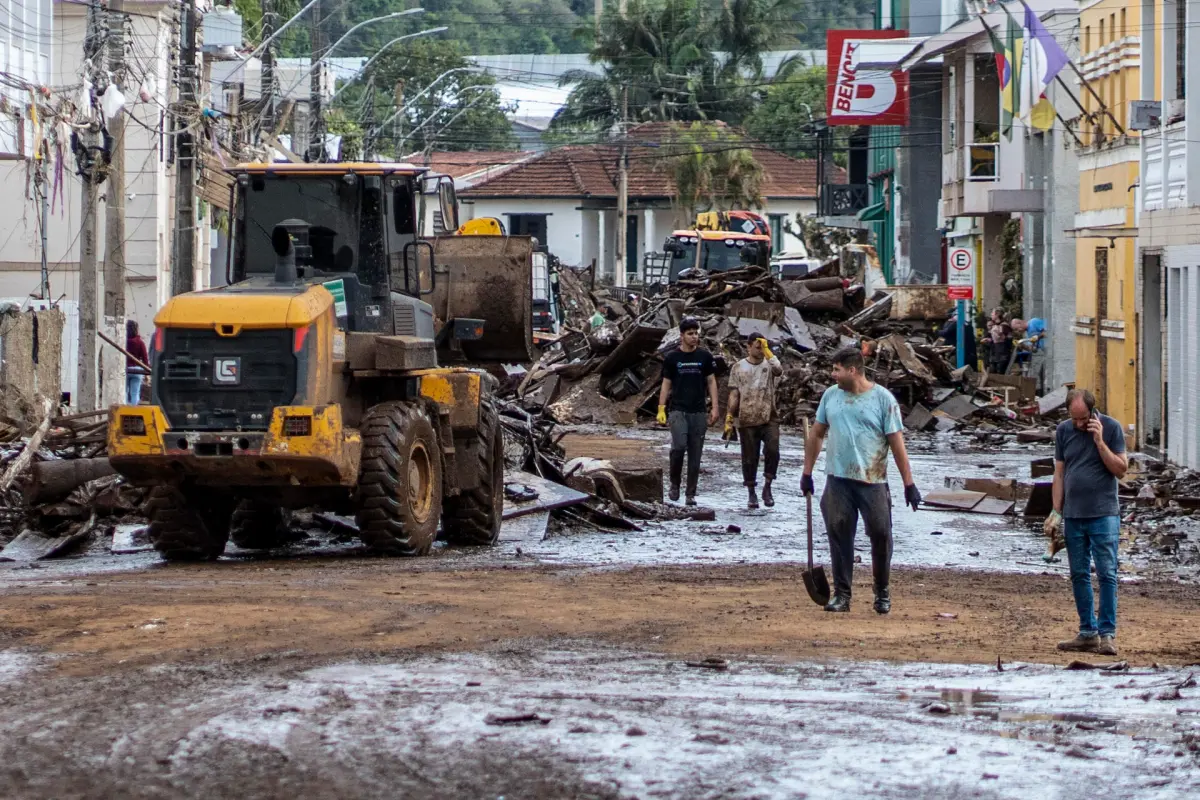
{"points": [[981, 161], [844, 199]]}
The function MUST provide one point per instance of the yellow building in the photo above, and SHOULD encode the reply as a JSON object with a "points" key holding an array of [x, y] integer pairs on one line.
{"points": [[1105, 326]]}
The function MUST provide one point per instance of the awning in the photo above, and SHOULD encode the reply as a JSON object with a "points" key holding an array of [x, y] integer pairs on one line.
{"points": [[877, 212], [885, 54], [959, 34]]}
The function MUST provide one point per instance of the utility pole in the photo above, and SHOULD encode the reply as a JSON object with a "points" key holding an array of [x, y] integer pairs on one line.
{"points": [[114, 213], [183, 270], [268, 66], [316, 130], [87, 156], [622, 182], [112, 362]]}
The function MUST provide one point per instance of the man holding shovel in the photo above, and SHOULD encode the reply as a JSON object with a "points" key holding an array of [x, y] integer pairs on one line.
{"points": [[863, 423]]}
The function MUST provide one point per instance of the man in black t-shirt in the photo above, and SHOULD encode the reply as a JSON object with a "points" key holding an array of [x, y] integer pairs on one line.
{"points": [[689, 374]]}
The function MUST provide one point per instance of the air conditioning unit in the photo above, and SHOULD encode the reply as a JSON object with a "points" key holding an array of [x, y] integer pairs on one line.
{"points": [[1144, 115]]}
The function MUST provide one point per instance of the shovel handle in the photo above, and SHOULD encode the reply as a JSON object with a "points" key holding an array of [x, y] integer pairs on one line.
{"points": [[808, 503]]}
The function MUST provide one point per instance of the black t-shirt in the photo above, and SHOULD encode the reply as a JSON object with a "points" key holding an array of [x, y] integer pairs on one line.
{"points": [[688, 373]]}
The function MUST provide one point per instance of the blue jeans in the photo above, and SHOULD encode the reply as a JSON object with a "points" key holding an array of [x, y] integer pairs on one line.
{"points": [[133, 388], [1094, 539]]}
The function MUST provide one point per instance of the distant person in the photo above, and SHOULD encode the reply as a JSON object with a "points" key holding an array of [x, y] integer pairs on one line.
{"points": [[135, 373], [689, 376], [1089, 459], [1001, 348], [949, 335], [752, 400], [863, 423]]}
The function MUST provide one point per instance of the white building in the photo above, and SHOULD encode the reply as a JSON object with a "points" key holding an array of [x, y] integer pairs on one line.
{"points": [[567, 198]]}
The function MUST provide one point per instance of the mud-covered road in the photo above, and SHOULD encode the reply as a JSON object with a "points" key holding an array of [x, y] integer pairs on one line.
{"points": [[319, 672]]}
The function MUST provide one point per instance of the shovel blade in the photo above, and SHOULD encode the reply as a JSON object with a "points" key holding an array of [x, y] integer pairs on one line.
{"points": [[817, 585]]}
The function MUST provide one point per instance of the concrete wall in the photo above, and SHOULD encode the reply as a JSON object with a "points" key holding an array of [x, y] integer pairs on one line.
{"points": [[30, 362], [148, 195]]}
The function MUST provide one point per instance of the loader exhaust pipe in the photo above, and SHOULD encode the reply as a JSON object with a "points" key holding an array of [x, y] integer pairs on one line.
{"points": [[285, 255]]}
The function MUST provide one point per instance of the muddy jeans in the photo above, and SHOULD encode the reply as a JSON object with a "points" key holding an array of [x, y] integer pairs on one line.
{"points": [[1088, 540], [753, 439], [841, 504], [687, 437]]}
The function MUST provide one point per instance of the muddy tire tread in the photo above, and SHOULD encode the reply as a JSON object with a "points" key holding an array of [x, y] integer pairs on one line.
{"points": [[380, 514], [471, 518], [257, 526], [177, 529]]}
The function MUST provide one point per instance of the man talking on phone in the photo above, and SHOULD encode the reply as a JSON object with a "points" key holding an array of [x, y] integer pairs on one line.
{"points": [[1089, 459]]}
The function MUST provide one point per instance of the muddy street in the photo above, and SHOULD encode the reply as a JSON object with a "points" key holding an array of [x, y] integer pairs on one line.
{"points": [[559, 667]]}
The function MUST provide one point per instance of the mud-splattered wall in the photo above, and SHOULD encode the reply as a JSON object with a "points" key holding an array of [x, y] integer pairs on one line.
{"points": [[30, 361]]}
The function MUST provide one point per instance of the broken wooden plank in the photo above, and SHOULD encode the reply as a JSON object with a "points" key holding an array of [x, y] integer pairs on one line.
{"points": [[638, 344], [960, 499], [1002, 488], [993, 505], [919, 418], [1035, 436], [1041, 500], [528, 528], [957, 408], [1041, 467], [1053, 401], [31, 546], [550, 495], [908, 358]]}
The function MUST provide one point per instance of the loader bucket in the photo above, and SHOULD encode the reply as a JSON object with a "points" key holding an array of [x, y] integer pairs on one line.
{"points": [[488, 278]]}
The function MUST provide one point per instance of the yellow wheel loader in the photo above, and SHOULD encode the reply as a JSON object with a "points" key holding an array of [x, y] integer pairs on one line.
{"points": [[332, 371]]}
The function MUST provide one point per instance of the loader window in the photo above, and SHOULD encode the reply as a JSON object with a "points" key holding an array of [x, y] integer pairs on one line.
{"points": [[329, 205], [404, 212]]}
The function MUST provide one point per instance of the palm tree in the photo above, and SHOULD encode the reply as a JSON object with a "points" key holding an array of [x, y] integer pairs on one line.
{"points": [[678, 60], [710, 174]]}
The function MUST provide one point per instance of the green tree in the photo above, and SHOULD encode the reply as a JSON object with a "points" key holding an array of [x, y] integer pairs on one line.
{"points": [[446, 106], [677, 60], [782, 119], [710, 174]]}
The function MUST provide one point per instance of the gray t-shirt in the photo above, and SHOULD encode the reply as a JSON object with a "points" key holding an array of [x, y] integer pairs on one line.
{"points": [[1090, 490]]}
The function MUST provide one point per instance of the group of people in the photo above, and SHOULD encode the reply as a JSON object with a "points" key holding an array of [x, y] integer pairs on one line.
{"points": [[1001, 338], [859, 422], [860, 419]]}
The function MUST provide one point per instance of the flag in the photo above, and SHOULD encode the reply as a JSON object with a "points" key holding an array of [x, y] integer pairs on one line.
{"points": [[1004, 71], [1041, 116], [1043, 58]]}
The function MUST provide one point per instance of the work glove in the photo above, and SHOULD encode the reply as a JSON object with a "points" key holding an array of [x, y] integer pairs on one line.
{"points": [[730, 434], [767, 350], [662, 415], [1055, 538], [912, 496], [806, 485]]}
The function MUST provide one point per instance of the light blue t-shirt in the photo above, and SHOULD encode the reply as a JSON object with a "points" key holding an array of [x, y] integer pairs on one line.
{"points": [[858, 428]]}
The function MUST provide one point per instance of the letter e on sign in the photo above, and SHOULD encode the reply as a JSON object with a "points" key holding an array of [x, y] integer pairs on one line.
{"points": [[960, 273]]}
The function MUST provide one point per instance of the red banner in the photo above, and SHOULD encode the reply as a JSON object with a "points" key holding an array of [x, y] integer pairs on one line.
{"points": [[862, 97]]}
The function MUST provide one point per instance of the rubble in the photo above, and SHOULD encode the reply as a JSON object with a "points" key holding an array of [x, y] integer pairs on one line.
{"points": [[606, 366]]}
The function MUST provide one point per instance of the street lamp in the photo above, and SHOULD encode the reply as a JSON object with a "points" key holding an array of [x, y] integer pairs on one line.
{"points": [[424, 92], [362, 70], [449, 122], [346, 35]]}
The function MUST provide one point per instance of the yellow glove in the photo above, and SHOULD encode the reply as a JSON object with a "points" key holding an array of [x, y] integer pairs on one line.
{"points": [[662, 415], [728, 425], [767, 350]]}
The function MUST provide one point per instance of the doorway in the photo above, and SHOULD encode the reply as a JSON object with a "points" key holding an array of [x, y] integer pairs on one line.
{"points": [[631, 245], [529, 225], [1153, 377]]}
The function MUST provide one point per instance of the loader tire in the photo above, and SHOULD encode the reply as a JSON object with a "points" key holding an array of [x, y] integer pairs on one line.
{"points": [[474, 517], [399, 496], [259, 526], [187, 529]]}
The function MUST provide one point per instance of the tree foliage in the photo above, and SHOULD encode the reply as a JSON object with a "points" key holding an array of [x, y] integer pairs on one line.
{"points": [[677, 60], [711, 175]]}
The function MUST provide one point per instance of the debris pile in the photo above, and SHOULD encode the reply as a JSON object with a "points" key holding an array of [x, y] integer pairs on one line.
{"points": [[605, 367], [56, 485]]}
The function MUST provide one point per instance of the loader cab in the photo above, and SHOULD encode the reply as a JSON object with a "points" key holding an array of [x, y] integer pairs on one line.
{"points": [[715, 251], [355, 228]]}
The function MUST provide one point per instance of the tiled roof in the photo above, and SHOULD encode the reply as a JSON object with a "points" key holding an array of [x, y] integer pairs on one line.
{"points": [[591, 170]]}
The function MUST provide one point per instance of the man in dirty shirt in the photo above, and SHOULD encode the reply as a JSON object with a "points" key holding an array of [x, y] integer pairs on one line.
{"points": [[752, 400], [863, 422]]}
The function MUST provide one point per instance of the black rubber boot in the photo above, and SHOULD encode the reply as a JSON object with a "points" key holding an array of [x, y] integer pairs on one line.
{"points": [[752, 498], [768, 497], [883, 600], [839, 603], [673, 492]]}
